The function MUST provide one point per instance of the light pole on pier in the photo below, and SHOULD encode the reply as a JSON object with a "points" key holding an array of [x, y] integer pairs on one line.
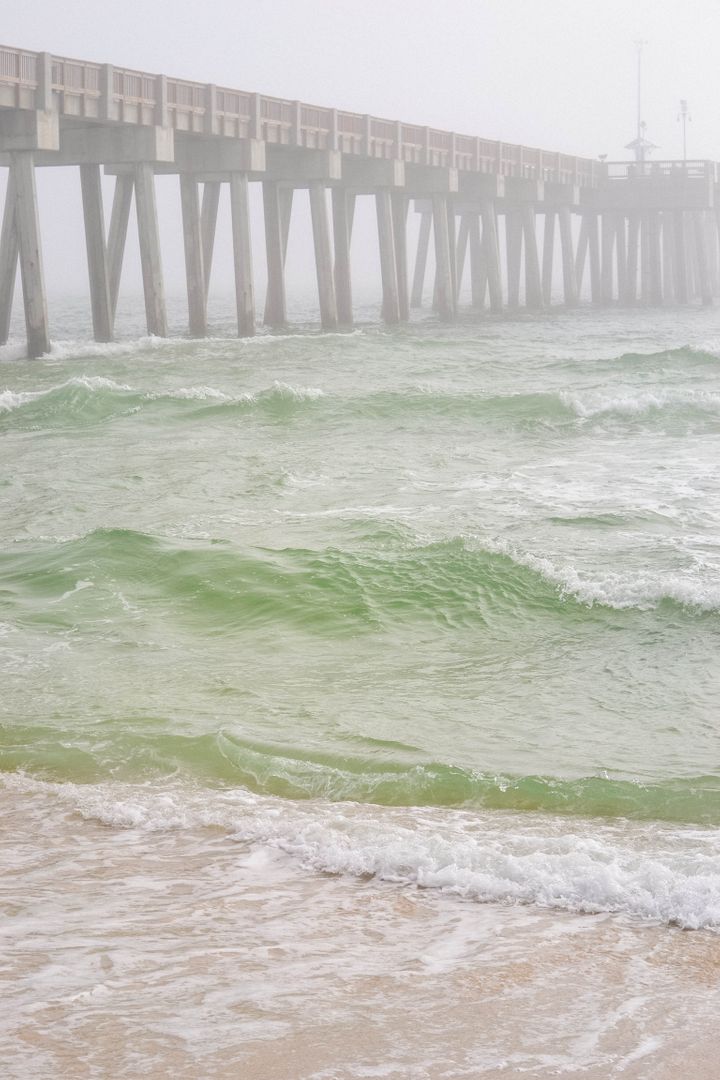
{"points": [[683, 117], [640, 44], [640, 145]]}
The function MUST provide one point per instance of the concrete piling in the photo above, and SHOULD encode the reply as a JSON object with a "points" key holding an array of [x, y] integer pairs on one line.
{"points": [[343, 207], [443, 260], [193, 244], [275, 247], [150, 258], [323, 256], [421, 260], [8, 259], [242, 254], [117, 233], [30, 253]]}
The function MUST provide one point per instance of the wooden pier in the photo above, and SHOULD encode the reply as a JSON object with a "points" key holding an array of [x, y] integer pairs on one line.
{"points": [[621, 233]]}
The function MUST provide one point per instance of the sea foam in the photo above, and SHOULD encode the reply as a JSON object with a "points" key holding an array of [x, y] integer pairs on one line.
{"points": [[648, 871]]}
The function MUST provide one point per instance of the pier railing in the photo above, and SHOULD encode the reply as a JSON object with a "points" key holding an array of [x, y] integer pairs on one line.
{"points": [[94, 91], [656, 170]]}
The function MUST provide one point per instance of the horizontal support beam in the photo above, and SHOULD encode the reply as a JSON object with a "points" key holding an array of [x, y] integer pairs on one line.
{"points": [[28, 129], [481, 186], [430, 180], [284, 163], [99, 144], [363, 176]]}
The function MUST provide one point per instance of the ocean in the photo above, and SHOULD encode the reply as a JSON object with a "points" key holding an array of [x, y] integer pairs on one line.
{"points": [[360, 700]]}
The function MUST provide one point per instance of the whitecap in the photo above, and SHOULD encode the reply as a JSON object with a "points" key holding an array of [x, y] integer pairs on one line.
{"points": [[650, 871]]}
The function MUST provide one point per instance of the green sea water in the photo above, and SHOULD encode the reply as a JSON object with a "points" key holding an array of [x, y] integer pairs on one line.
{"points": [[472, 567]]}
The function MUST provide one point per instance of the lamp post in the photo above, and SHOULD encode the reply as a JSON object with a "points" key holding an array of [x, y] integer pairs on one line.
{"points": [[640, 44], [683, 117], [640, 145]]}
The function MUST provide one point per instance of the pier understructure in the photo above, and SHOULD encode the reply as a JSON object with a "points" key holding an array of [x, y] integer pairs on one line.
{"points": [[530, 227]]}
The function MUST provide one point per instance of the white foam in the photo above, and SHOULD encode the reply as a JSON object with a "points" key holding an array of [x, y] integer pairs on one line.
{"points": [[296, 393], [651, 871], [643, 589], [77, 350], [10, 399], [79, 586], [193, 393], [635, 404]]}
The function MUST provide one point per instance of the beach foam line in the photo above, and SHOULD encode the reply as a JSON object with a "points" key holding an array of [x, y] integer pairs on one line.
{"points": [[648, 871]]}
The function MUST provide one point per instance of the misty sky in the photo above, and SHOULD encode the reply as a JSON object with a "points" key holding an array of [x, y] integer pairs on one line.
{"points": [[559, 74]]}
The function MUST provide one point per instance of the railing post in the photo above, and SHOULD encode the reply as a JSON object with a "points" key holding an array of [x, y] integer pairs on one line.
{"points": [[107, 91], [477, 153], [161, 101], [426, 133], [367, 134], [333, 135], [210, 115], [453, 151], [43, 75], [499, 158], [398, 141]]}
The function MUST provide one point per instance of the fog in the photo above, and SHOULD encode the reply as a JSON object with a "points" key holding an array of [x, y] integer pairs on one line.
{"points": [[559, 74]]}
